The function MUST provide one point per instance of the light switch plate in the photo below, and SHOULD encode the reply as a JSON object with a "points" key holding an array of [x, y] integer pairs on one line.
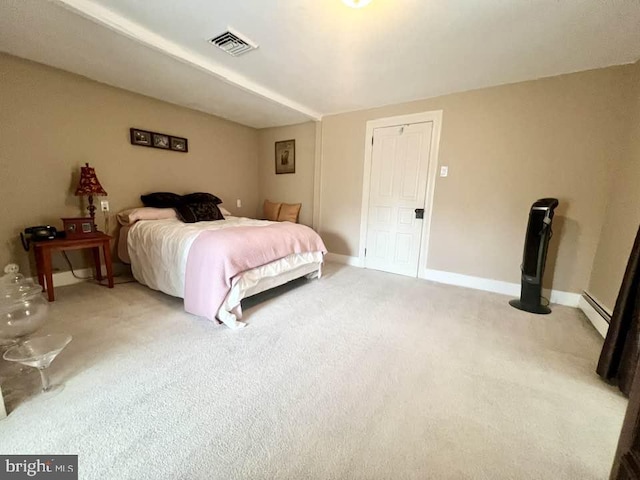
{"points": [[239, 203], [104, 205], [444, 171]]}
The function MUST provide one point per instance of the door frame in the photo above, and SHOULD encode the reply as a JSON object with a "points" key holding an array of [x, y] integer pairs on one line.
{"points": [[434, 116]]}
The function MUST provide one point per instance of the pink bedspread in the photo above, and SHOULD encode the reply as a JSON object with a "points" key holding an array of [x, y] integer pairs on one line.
{"points": [[217, 256]]}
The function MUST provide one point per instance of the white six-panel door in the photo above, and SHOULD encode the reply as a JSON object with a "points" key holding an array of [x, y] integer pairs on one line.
{"points": [[399, 170]]}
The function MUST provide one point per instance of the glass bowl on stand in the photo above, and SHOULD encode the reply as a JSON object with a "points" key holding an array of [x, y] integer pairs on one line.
{"points": [[39, 352], [23, 310]]}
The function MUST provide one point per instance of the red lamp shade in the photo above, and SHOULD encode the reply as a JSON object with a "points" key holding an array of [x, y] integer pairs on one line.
{"points": [[89, 184]]}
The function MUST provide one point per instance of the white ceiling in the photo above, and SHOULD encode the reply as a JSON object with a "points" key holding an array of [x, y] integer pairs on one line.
{"points": [[318, 57]]}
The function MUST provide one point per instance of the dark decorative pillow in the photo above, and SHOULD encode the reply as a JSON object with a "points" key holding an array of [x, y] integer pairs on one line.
{"points": [[185, 213], [191, 208], [200, 197], [206, 211], [191, 212], [161, 200]]}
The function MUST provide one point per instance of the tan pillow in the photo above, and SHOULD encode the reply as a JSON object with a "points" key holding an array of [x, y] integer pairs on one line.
{"points": [[289, 212], [131, 216], [271, 210]]}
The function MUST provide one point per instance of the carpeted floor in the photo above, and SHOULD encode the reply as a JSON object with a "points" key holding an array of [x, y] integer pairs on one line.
{"points": [[361, 375]]}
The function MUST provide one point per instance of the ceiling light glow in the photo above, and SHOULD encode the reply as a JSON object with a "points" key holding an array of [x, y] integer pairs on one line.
{"points": [[356, 3]]}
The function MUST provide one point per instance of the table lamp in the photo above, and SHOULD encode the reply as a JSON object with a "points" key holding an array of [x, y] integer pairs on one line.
{"points": [[88, 186]]}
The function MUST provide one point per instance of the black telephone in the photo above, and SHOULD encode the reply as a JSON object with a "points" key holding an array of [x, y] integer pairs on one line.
{"points": [[38, 234]]}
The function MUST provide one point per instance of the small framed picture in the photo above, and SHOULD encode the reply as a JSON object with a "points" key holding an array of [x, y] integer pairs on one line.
{"points": [[140, 137], [179, 144], [286, 156], [161, 140]]}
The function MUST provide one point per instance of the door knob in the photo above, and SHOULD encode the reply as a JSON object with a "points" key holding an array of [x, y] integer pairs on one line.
{"points": [[419, 212]]}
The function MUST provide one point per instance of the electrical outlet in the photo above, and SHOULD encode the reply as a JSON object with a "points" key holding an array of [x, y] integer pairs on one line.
{"points": [[444, 171], [239, 203], [104, 205]]}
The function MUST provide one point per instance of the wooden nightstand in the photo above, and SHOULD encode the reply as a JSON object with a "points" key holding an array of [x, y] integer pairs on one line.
{"points": [[44, 249]]}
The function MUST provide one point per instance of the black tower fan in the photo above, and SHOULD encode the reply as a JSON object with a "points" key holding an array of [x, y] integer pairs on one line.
{"points": [[535, 255]]}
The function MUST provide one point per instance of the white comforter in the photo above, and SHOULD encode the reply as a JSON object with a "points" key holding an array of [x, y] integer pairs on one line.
{"points": [[159, 250]]}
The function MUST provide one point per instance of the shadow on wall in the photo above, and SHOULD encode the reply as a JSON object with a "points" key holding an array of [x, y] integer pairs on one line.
{"points": [[552, 252], [26, 260], [76, 206], [71, 199], [566, 233], [338, 244], [19, 256]]}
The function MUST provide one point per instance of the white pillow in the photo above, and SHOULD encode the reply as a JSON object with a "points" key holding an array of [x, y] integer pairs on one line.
{"points": [[225, 212], [132, 215]]}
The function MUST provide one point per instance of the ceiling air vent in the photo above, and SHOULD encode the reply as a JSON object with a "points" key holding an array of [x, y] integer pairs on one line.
{"points": [[233, 43]]}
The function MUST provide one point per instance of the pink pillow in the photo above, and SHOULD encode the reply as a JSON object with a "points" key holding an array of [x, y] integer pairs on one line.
{"points": [[131, 216]]}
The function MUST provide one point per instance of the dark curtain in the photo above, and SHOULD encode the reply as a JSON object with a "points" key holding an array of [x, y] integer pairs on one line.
{"points": [[621, 351]]}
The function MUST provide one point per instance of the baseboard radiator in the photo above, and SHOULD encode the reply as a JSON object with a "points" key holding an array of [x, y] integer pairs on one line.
{"points": [[595, 312]]}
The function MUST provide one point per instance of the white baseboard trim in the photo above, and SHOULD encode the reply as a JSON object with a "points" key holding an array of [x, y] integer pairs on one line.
{"points": [[597, 320], [496, 286], [62, 279], [343, 259], [568, 299], [559, 297]]}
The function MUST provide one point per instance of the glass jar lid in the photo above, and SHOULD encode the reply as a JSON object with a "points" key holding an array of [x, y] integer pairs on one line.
{"points": [[16, 287]]}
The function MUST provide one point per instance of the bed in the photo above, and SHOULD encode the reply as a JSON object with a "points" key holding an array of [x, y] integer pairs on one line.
{"points": [[159, 251]]}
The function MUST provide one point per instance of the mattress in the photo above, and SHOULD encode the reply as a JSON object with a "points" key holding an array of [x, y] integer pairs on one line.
{"points": [[159, 250]]}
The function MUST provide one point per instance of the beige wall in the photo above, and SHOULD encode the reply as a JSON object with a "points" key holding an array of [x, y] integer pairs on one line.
{"points": [[566, 136], [505, 147], [623, 213], [289, 188], [51, 122]]}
